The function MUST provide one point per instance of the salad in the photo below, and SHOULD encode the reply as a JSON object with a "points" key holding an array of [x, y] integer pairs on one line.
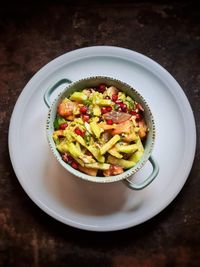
{"points": [[100, 131]]}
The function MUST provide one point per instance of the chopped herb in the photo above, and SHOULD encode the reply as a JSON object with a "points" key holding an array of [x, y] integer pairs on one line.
{"points": [[58, 121], [87, 138], [116, 107]]}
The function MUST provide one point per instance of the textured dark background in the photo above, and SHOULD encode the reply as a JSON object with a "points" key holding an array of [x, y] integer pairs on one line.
{"points": [[32, 34]]}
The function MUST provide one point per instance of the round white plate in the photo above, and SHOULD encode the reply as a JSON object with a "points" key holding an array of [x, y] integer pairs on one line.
{"points": [[92, 206]]}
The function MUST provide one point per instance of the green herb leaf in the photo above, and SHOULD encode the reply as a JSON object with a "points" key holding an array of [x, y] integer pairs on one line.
{"points": [[116, 107], [58, 121], [56, 124]]}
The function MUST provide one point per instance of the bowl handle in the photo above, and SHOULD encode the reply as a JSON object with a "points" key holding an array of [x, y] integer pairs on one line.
{"points": [[147, 181], [50, 90]]}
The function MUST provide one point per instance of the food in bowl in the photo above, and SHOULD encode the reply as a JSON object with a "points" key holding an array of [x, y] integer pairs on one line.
{"points": [[100, 131]]}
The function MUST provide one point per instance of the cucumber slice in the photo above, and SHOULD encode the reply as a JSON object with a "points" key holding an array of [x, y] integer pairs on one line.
{"points": [[109, 144], [126, 164], [100, 166]]}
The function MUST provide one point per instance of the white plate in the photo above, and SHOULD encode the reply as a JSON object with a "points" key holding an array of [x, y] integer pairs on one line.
{"points": [[87, 205]]}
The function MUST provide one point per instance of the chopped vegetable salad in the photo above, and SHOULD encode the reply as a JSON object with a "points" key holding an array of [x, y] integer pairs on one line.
{"points": [[100, 131]]}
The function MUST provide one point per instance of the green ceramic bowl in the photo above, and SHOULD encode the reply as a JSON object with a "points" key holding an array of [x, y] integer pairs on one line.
{"points": [[149, 143]]}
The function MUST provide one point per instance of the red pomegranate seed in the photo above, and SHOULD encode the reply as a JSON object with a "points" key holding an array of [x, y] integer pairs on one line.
{"points": [[133, 112], [114, 97], [109, 122], [63, 126], [138, 117], [108, 109], [103, 110], [119, 109], [74, 165], [83, 110], [102, 88], [123, 107], [69, 159], [79, 132], [85, 118]]}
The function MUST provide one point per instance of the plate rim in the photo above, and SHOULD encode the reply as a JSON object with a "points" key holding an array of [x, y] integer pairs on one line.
{"points": [[73, 54]]}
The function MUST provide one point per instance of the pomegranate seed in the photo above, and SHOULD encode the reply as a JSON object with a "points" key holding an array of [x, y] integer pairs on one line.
{"points": [[123, 107], [133, 112], [69, 159], [103, 110], [138, 117], [119, 109], [74, 165], [108, 109], [83, 110], [85, 118], [63, 126], [102, 88], [114, 97], [109, 122], [79, 132]]}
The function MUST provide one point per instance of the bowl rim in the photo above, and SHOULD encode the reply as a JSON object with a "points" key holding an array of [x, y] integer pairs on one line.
{"points": [[77, 173]]}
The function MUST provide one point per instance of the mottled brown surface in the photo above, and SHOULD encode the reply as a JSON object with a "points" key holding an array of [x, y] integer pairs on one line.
{"points": [[33, 34]]}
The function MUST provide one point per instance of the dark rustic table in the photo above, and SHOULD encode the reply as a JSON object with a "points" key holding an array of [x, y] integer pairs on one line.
{"points": [[31, 35]]}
